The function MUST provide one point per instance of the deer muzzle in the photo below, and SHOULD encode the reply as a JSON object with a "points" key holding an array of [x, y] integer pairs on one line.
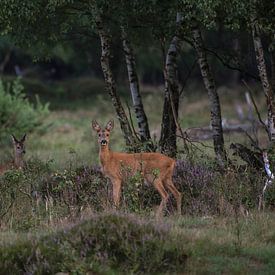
{"points": [[103, 142]]}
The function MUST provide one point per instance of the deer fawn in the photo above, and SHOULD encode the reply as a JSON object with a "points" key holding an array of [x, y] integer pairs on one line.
{"points": [[113, 164], [19, 151]]}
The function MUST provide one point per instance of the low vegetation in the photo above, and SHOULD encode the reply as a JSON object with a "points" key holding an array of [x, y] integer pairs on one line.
{"points": [[56, 215], [105, 241]]}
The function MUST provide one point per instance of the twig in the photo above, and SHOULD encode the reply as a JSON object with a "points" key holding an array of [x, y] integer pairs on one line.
{"points": [[255, 106], [25, 193], [196, 141], [230, 66], [226, 64], [254, 143]]}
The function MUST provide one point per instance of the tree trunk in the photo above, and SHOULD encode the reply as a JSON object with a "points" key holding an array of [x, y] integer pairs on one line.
{"points": [[272, 56], [110, 84], [141, 117], [209, 83], [263, 76], [168, 138], [5, 61]]}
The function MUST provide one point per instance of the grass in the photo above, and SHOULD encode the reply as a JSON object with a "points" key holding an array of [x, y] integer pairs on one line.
{"points": [[118, 242], [115, 242], [214, 248]]}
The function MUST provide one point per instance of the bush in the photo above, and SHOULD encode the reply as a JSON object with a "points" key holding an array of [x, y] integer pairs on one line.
{"points": [[17, 114], [107, 241], [207, 192], [38, 193], [197, 184]]}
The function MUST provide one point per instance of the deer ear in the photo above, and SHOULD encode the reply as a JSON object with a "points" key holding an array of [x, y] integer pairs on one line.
{"points": [[23, 138], [14, 140], [110, 125], [96, 126]]}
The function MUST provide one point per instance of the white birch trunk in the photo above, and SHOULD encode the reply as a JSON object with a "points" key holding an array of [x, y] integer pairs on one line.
{"points": [[263, 76], [209, 83], [110, 83], [141, 117]]}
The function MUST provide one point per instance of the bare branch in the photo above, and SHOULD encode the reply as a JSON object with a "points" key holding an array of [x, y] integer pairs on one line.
{"points": [[254, 104]]}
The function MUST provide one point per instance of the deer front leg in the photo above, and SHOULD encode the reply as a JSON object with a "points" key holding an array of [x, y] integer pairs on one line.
{"points": [[116, 191]]}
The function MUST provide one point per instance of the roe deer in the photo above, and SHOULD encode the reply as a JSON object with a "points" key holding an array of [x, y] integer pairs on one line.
{"points": [[19, 151], [113, 163]]}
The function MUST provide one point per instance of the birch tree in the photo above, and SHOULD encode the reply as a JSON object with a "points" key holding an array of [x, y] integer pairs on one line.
{"points": [[262, 22], [141, 117], [261, 65], [105, 40], [168, 138], [214, 101]]}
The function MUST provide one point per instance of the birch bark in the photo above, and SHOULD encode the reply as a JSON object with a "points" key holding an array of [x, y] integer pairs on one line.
{"points": [[168, 138], [141, 117], [261, 65], [110, 83], [209, 83]]}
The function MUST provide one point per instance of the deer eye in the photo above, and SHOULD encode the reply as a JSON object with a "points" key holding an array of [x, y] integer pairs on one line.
{"points": [[99, 135], [107, 135]]}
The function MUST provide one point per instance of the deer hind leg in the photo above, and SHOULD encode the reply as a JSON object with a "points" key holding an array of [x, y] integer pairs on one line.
{"points": [[116, 191], [178, 196], [164, 197]]}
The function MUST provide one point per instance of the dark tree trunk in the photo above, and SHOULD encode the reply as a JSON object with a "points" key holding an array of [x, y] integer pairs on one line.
{"points": [[110, 84], [168, 138], [141, 117], [5, 61], [209, 83], [259, 52]]}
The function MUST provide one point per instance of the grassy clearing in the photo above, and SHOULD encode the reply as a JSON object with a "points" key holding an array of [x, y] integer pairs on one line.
{"points": [[77, 233], [117, 242]]}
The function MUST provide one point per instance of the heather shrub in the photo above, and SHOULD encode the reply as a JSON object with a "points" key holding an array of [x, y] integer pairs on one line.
{"points": [[20, 191], [39, 193], [122, 243], [82, 187], [209, 191], [239, 191], [197, 184]]}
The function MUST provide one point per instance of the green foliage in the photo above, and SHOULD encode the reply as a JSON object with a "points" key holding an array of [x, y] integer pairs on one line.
{"points": [[17, 114], [137, 196]]}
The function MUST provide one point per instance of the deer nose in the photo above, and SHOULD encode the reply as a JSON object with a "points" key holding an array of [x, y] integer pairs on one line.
{"points": [[103, 142]]}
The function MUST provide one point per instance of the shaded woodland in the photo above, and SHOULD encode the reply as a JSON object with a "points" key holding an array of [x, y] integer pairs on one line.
{"points": [[193, 80]]}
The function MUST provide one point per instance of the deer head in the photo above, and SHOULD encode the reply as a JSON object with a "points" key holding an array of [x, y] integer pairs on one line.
{"points": [[19, 150], [103, 135]]}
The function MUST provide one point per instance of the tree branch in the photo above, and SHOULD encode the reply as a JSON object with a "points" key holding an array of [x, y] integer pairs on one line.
{"points": [[255, 106]]}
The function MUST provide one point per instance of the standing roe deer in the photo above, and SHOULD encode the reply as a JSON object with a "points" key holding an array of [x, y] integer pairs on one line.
{"points": [[19, 151], [113, 163]]}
